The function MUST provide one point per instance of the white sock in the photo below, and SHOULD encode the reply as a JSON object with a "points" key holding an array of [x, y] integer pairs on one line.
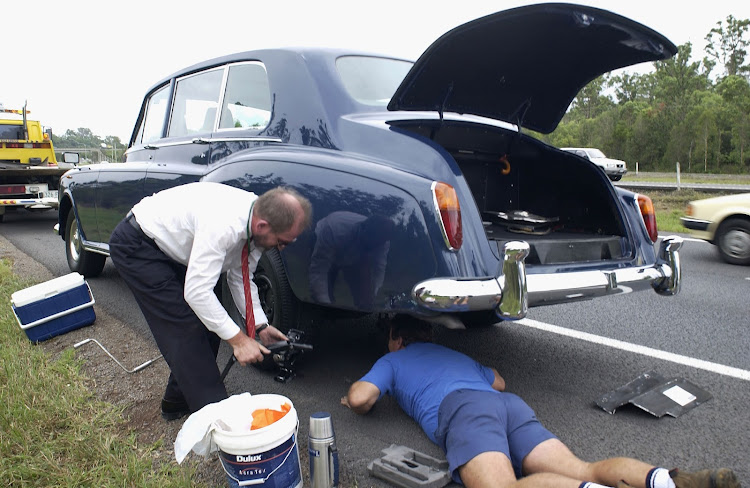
{"points": [[659, 478]]}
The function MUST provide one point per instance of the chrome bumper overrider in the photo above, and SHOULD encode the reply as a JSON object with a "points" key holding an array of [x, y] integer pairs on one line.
{"points": [[513, 291]]}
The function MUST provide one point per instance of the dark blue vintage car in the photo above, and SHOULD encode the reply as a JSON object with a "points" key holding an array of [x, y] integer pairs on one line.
{"points": [[428, 197]]}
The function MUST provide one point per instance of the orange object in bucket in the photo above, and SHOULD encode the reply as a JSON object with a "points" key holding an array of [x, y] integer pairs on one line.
{"points": [[263, 417]]}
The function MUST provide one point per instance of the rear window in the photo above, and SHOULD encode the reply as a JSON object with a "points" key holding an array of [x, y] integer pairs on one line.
{"points": [[371, 80], [11, 131], [247, 98]]}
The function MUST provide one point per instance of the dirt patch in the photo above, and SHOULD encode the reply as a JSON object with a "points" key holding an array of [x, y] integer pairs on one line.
{"points": [[139, 393]]}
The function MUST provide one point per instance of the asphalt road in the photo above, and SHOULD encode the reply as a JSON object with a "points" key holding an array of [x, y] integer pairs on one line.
{"points": [[561, 359]]}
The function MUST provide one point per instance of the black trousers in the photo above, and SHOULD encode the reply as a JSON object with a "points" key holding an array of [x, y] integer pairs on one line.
{"points": [[158, 283]]}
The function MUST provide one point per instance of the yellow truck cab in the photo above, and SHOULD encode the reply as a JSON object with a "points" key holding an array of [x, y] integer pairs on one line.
{"points": [[29, 174]]}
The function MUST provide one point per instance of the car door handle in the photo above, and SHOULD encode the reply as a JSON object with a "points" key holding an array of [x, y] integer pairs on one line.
{"points": [[200, 140], [150, 146]]}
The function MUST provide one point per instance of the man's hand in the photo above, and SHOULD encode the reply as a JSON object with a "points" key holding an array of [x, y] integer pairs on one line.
{"points": [[271, 334], [247, 350], [345, 401], [361, 397]]}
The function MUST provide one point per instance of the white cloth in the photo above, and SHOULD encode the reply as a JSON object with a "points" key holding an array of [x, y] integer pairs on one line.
{"points": [[204, 227], [196, 433]]}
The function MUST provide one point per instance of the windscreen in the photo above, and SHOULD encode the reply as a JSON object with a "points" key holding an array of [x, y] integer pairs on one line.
{"points": [[11, 131]]}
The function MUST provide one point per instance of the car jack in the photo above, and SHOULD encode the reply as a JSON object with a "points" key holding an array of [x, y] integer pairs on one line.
{"points": [[284, 355]]}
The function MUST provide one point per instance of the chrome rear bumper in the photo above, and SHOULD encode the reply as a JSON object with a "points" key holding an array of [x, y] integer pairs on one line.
{"points": [[513, 291]]}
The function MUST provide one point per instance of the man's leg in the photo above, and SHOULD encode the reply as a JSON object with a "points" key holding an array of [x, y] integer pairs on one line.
{"points": [[188, 347], [552, 456], [487, 469], [494, 470]]}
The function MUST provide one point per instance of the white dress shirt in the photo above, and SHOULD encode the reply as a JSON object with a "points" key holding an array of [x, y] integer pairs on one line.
{"points": [[204, 226]]}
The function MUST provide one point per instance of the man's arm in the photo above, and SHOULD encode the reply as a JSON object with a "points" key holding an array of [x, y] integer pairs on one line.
{"points": [[361, 397], [498, 383]]}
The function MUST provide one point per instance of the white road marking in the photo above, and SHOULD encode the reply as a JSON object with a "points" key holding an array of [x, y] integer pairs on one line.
{"points": [[692, 239], [646, 351]]}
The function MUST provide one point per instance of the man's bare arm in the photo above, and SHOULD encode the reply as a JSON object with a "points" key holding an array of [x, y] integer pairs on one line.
{"points": [[498, 383], [361, 397]]}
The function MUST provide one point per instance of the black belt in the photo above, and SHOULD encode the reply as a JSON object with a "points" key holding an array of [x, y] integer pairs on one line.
{"points": [[130, 219]]}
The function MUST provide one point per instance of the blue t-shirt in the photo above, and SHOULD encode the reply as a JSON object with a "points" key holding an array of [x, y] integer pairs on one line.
{"points": [[422, 374]]}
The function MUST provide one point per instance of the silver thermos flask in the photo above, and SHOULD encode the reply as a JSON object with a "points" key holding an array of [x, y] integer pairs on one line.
{"points": [[324, 457]]}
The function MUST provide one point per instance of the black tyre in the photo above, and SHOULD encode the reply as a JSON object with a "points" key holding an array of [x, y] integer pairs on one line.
{"points": [[87, 263], [282, 308], [615, 177], [733, 241]]}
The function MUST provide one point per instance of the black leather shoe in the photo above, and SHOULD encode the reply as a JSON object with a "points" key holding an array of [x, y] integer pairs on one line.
{"points": [[173, 410]]}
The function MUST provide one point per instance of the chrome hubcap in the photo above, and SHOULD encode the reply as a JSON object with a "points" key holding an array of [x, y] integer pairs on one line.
{"points": [[75, 242], [736, 243]]}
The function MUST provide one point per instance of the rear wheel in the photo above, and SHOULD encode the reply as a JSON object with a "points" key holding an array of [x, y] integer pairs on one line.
{"points": [[282, 308], [81, 261], [733, 241]]}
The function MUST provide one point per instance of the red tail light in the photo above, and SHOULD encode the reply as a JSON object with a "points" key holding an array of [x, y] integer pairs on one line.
{"points": [[12, 190], [649, 216], [446, 203]]}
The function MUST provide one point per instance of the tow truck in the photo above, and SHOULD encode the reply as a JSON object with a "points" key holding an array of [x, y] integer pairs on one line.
{"points": [[29, 173]]}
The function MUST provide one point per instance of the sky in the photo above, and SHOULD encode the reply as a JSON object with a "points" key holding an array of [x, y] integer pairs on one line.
{"points": [[88, 63]]}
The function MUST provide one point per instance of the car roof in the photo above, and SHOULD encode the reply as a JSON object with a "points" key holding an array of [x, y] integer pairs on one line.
{"points": [[269, 54]]}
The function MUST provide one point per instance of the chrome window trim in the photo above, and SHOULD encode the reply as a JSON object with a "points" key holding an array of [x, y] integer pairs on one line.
{"points": [[203, 140], [191, 75], [223, 94]]}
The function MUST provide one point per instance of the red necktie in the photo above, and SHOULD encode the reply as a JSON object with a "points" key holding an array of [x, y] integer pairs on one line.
{"points": [[249, 316]]}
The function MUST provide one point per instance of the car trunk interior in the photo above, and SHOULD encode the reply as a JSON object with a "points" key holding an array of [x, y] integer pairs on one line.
{"points": [[525, 190]]}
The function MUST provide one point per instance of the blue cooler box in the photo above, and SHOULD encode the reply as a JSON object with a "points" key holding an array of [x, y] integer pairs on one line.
{"points": [[54, 307]]}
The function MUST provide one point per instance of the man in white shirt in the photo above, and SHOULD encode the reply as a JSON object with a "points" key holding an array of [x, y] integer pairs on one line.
{"points": [[171, 250]]}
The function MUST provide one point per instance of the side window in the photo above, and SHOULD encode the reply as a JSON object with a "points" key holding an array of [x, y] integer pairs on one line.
{"points": [[195, 101], [153, 121], [247, 100]]}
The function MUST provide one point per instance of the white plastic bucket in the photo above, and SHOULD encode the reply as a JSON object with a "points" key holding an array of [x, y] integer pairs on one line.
{"points": [[267, 456]]}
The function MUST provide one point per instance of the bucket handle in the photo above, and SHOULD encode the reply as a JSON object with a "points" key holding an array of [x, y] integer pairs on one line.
{"points": [[260, 481]]}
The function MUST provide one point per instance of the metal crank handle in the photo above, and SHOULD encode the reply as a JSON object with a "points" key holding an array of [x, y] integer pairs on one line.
{"points": [[129, 371]]}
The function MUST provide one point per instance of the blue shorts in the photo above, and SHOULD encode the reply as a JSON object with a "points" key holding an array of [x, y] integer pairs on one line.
{"points": [[471, 422]]}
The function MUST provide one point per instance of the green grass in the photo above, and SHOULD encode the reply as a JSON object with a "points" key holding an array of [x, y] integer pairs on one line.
{"points": [[53, 432]]}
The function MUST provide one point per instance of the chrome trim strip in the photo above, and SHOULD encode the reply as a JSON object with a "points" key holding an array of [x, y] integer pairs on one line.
{"points": [[695, 224], [96, 250], [247, 139], [506, 293], [203, 140]]}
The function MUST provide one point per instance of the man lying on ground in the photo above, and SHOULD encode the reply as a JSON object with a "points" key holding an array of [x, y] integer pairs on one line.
{"points": [[492, 438]]}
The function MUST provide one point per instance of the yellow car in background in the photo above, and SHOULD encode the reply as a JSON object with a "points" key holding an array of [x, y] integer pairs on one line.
{"points": [[723, 221]]}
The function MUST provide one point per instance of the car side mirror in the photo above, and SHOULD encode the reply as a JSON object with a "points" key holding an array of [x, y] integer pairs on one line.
{"points": [[71, 158]]}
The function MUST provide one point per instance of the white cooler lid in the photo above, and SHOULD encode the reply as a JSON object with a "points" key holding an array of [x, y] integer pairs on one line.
{"points": [[46, 289]]}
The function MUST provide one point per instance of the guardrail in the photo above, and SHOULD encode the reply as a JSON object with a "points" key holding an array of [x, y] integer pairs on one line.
{"points": [[667, 186]]}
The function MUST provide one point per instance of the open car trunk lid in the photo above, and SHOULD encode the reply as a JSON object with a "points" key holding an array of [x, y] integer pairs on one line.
{"points": [[525, 65]]}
